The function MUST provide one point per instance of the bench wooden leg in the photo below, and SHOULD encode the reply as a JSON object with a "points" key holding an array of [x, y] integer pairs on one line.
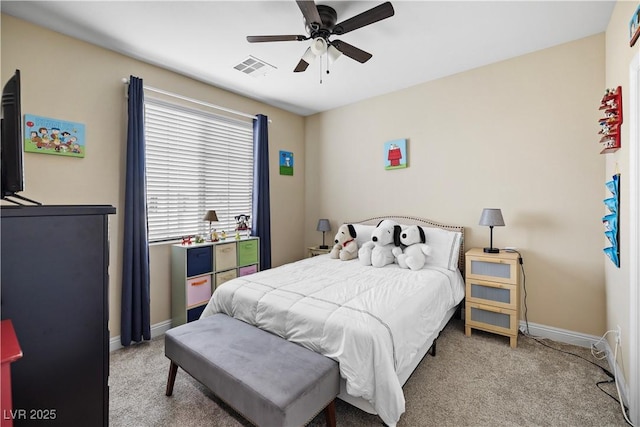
{"points": [[330, 414], [173, 370]]}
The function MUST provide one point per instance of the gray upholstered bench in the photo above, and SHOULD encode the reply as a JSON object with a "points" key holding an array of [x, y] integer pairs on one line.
{"points": [[270, 381]]}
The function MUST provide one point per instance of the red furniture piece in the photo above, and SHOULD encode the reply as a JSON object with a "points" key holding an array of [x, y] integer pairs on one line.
{"points": [[10, 352]]}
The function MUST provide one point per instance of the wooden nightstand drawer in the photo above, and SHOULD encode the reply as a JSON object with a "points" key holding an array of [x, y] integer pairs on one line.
{"points": [[501, 295], [492, 319], [486, 268]]}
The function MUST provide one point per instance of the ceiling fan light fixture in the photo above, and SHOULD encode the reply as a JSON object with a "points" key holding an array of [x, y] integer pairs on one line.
{"points": [[333, 54], [321, 22], [319, 46], [308, 56]]}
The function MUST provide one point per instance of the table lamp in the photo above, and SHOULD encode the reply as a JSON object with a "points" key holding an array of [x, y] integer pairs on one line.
{"points": [[492, 218], [323, 225], [211, 217]]}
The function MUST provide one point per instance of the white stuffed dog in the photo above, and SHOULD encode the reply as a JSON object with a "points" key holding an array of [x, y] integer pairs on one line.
{"points": [[345, 247], [378, 251], [415, 254]]}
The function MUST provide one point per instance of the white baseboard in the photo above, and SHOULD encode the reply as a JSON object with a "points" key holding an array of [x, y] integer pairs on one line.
{"points": [[156, 330], [582, 340], [624, 391], [560, 335]]}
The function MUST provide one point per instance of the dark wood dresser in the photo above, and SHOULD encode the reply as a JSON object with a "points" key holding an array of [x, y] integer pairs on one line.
{"points": [[54, 270]]}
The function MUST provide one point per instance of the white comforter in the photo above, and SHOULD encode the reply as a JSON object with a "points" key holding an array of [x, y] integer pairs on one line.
{"points": [[371, 320]]}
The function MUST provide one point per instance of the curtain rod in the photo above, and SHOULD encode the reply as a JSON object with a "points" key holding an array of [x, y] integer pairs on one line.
{"points": [[195, 101]]}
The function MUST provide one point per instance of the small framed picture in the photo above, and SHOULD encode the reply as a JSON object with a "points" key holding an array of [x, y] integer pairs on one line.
{"points": [[395, 154], [634, 27], [286, 163]]}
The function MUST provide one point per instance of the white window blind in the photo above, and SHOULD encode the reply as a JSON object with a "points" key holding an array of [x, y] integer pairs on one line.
{"points": [[195, 161]]}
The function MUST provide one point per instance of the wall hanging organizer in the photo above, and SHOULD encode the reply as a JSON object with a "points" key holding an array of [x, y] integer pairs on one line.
{"points": [[610, 220], [611, 122]]}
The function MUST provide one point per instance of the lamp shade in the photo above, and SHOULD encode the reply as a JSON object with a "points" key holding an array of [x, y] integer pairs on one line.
{"points": [[491, 217], [323, 225], [210, 216]]}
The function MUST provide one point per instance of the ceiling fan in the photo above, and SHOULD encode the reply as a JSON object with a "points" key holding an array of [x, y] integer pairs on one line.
{"points": [[320, 23]]}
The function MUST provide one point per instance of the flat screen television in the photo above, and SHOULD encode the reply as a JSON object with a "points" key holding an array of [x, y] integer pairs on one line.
{"points": [[12, 172], [11, 147]]}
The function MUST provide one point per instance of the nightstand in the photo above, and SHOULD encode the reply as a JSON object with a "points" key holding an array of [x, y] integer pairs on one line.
{"points": [[492, 293], [315, 250]]}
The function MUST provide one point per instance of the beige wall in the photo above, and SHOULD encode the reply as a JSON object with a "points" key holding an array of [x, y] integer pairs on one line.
{"points": [[520, 135], [68, 79], [618, 58]]}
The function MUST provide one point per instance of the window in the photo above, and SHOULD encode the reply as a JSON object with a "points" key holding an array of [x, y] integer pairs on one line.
{"points": [[195, 161]]}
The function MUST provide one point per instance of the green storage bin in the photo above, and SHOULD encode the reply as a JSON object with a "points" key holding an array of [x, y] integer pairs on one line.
{"points": [[248, 252]]}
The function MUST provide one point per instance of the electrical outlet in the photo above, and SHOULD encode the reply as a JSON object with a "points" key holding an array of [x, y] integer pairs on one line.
{"points": [[618, 334]]}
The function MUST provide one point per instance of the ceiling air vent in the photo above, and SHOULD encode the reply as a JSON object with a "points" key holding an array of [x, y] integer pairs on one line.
{"points": [[254, 67]]}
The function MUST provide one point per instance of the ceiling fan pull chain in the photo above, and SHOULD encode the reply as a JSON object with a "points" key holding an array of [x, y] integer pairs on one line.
{"points": [[328, 62]]}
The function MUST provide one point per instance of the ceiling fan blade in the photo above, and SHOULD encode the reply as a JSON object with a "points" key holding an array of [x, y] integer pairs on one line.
{"points": [[378, 13], [258, 39], [352, 51], [307, 59], [309, 11], [302, 65]]}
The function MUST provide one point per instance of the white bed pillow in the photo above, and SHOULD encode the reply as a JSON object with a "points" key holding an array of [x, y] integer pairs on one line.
{"points": [[445, 247], [363, 233]]}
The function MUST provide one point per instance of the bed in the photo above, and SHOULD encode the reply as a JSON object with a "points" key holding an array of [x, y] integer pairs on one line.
{"points": [[378, 323]]}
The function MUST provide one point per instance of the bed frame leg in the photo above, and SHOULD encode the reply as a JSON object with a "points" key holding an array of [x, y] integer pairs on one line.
{"points": [[432, 350], [173, 370]]}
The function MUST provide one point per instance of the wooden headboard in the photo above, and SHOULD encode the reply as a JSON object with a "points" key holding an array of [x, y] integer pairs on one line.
{"points": [[411, 220]]}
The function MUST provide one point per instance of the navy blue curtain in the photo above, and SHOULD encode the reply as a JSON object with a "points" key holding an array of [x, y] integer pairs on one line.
{"points": [[261, 215], [135, 315]]}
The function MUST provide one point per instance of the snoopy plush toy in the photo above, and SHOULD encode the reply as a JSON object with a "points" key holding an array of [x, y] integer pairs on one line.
{"points": [[415, 254], [345, 247], [378, 251]]}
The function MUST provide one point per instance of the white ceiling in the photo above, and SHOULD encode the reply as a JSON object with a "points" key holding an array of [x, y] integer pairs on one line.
{"points": [[423, 41]]}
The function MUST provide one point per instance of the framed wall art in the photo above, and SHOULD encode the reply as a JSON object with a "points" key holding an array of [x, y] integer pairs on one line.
{"points": [[395, 154], [634, 27], [53, 136], [286, 162]]}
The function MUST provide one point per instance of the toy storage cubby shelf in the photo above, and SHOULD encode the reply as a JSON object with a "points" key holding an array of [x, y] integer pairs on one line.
{"points": [[611, 122], [198, 269]]}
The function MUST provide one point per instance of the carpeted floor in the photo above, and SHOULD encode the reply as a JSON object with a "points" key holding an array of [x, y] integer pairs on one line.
{"points": [[472, 381]]}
